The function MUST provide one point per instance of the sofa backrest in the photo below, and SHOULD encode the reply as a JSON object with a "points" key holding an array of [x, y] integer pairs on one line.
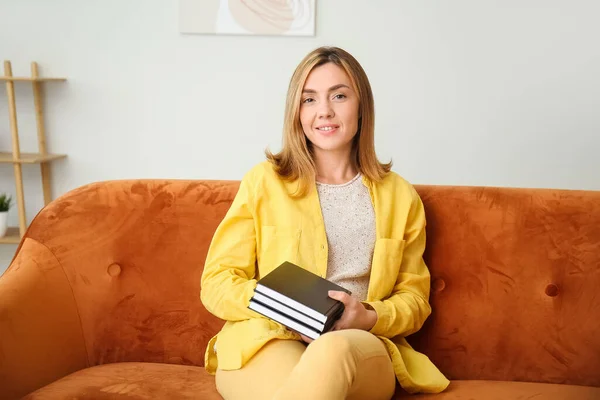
{"points": [[515, 283], [133, 252], [515, 275]]}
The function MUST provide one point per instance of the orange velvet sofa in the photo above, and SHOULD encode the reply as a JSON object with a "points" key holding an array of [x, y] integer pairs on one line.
{"points": [[102, 298]]}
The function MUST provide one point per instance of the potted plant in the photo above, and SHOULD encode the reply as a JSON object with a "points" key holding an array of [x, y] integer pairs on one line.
{"points": [[5, 204]]}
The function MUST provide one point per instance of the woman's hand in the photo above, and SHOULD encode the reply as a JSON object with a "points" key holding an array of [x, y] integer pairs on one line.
{"points": [[355, 315]]}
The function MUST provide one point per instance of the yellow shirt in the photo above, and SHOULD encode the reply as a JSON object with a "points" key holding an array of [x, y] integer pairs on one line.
{"points": [[265, 226]]}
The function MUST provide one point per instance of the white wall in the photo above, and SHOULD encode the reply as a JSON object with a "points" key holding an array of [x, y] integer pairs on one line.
{"points": [[468, 92]]}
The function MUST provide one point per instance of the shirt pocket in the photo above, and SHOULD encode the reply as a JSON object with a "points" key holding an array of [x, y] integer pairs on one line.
{"points": [[276, 245], [387, 259]]}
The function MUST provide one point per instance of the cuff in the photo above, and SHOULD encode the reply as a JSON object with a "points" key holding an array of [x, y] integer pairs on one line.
{"points": [[382, 323]]}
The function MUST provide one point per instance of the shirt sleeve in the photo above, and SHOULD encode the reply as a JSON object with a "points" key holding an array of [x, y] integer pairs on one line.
{"points": [[228, 280]]}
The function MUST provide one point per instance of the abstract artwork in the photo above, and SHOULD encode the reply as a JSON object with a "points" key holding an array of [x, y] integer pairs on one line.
{"points": [[248, 17]]}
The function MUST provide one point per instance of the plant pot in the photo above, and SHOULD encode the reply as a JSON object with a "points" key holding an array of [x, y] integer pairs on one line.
{"points": [[3, 222]]}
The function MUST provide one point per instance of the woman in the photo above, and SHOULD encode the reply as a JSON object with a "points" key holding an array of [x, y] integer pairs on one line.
{"points": [[327, 204]]}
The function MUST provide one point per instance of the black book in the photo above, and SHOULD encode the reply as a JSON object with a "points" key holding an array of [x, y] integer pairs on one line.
{"points": [[288, 311], [290, 287], [284, 319]]}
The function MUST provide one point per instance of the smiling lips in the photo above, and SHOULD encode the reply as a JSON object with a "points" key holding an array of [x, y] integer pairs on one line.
{"points": [[327, 129]]}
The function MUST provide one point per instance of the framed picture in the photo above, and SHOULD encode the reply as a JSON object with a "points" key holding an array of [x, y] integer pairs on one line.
{"points": [[248, 17]]}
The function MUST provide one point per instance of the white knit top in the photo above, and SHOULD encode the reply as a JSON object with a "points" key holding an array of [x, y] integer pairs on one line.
{"points": [[350, 226]]}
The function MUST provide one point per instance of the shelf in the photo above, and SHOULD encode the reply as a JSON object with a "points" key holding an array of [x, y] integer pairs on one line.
{"points": [[16, 157], [12, 236], [29, 158], [30, 79]]}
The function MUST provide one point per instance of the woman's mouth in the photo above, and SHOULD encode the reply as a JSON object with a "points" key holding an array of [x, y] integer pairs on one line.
{"points": [[327, 129]]}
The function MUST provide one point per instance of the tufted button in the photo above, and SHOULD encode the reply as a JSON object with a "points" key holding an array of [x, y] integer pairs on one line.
{"points": [[439, 285], [114, 269], [552, 290]]}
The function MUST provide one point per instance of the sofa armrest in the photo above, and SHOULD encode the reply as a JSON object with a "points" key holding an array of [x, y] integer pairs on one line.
{"points": [[41, 338]]}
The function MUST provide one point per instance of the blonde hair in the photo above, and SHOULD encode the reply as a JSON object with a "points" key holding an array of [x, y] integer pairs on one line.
{"points": [[295, 160]]}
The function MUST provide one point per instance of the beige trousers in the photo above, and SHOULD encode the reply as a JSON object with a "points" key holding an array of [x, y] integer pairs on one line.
{"points": [[346, 364]]}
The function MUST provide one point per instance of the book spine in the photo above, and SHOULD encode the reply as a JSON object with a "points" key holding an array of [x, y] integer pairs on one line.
{"points": [[333, 317], [292, 303], [288, 322]]}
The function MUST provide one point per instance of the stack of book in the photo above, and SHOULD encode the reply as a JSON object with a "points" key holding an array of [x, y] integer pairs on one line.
{"points": [[298, 299]]}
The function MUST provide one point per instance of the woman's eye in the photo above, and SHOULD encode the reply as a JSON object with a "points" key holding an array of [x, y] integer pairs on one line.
{"points": [[339, 96], [308, 100]]}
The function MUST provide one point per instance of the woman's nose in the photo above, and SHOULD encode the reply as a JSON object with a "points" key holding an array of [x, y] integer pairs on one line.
{"points": [[325, 110]]}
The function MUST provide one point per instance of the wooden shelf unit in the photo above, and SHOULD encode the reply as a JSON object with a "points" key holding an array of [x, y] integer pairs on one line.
{"points": [[15, 157]]}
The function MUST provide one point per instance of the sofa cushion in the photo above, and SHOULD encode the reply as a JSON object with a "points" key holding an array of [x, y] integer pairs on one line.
{"points": [[498, 390], [132, 381], [514, 276]]}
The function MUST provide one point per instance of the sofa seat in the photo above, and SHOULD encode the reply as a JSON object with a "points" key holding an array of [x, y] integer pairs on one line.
{"points": [[132, 380], [508, 390]]}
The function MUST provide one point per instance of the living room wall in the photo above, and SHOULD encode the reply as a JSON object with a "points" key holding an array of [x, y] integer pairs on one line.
{"points": [[468, 92]]}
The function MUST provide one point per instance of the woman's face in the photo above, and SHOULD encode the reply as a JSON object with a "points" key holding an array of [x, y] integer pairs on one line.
{"points": [[329, 109]]}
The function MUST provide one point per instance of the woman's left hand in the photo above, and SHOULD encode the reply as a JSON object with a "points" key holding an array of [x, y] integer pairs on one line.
{"points": [[355, 315]]}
